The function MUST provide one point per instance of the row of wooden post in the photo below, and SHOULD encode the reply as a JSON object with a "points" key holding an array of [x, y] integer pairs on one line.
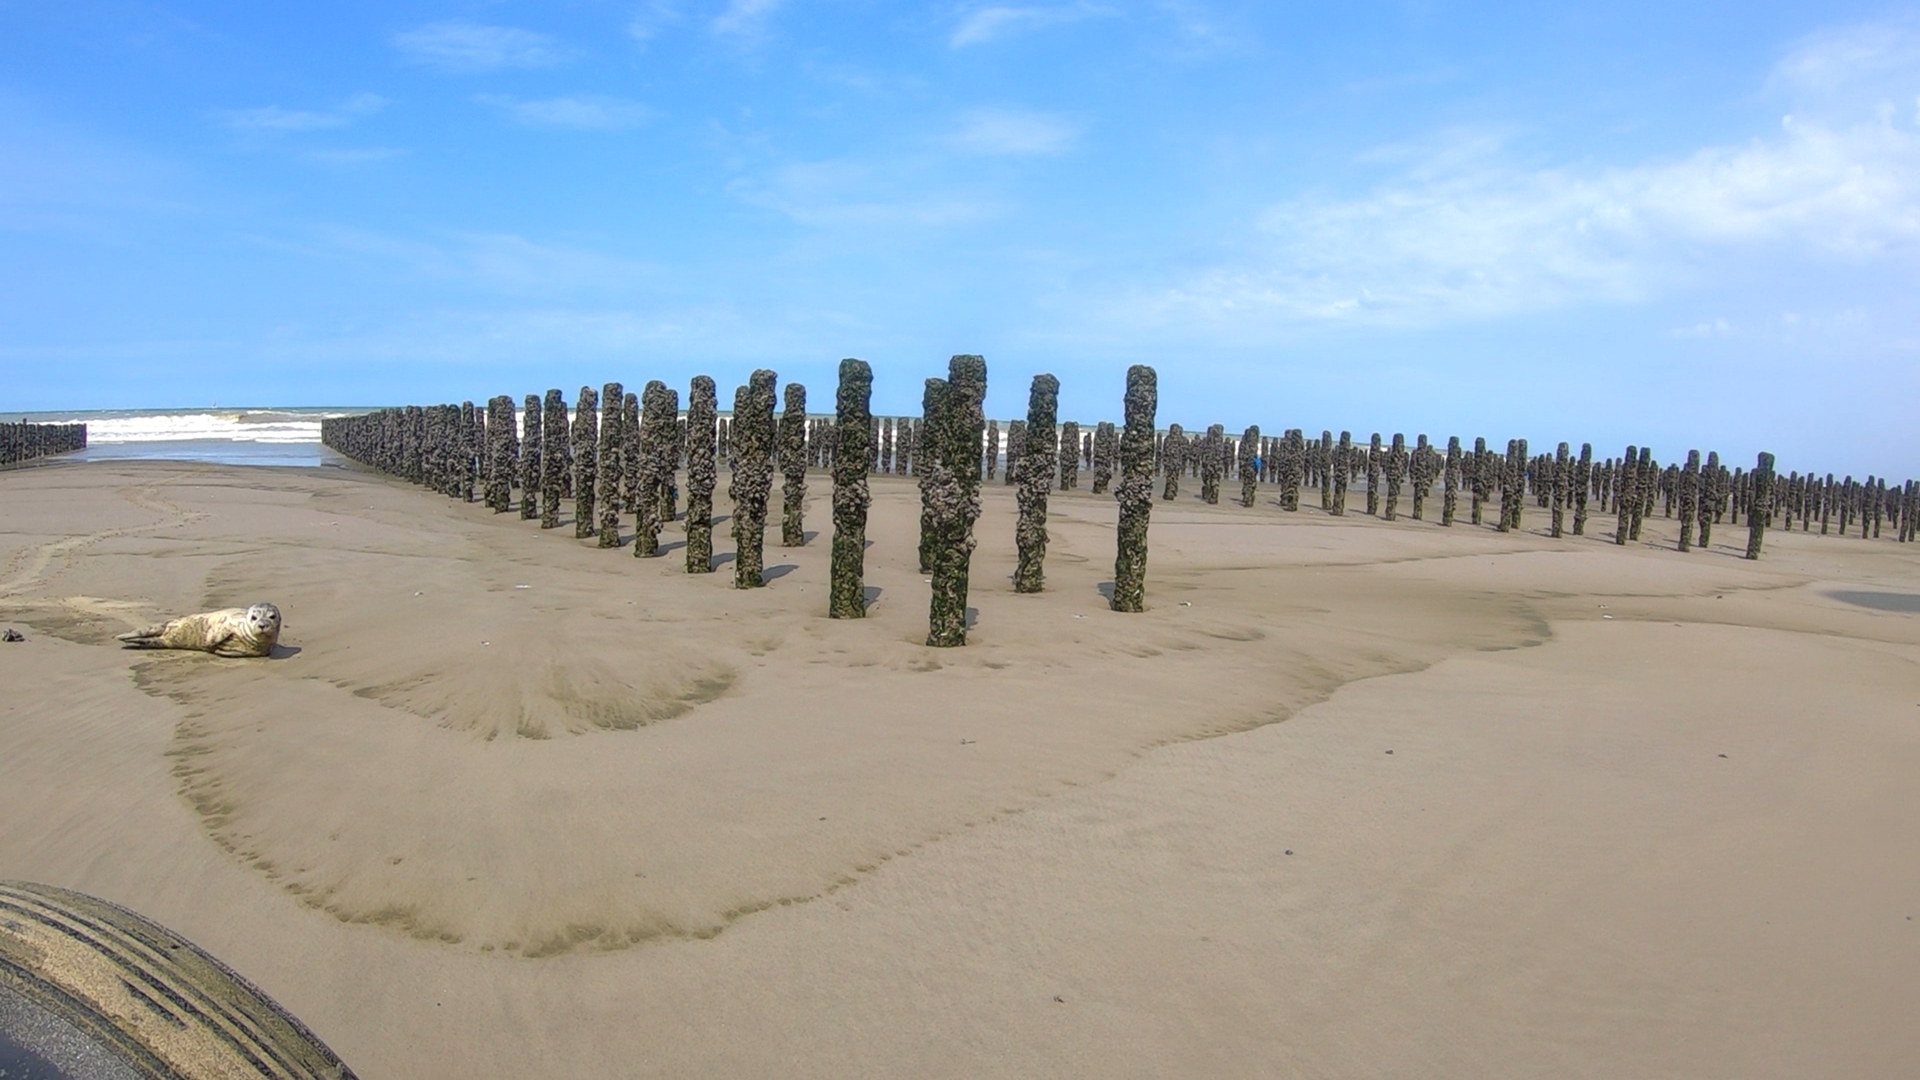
{"points": [[618, 453], [24, 441]]}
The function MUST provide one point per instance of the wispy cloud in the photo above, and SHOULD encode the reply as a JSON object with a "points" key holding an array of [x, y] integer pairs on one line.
{"points": [[273, 118], [1013, 132], [1707, 328], [354, 155], [1849, 61], [1492, 238], [462, 47], [985, 24], [827, 193], [745, 18], [505, 263], [587, 112], [652, 18]]}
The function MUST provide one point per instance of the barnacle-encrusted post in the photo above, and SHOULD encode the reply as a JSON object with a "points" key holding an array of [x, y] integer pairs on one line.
{"points": [[1395, 468], [1559, 485], [955, 464], [1135, 491], [1689, 499], [613, 399], [1173, 461], [703, 406], [1761, 505], [793, 466], [1212, 463], [1105, 446], [659, 431], [1036, 474], [1069, 455], [557, 460], [752, 443], [1324, 463], [586, 433], [1249, 472], [853, 437]]}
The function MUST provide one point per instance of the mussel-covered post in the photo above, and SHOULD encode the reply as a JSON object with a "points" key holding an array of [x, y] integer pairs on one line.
{"points": [[1035, 467], [1342, 473], [501, 454], [853, 436], [1761, 504], [703, 406], [1396, 474], [1172, 459], [752, 443], [1559, 489], [533, 475], [1689, 498], [585, 436], [955, 463], [1623, 511], [556, 459], [793, 466], [1450, 482], [1248, 469], [1582, 482], [1212, 460], [659, 432], [1069, 455], [613, 399], [1104, 447], [1135, 491]]}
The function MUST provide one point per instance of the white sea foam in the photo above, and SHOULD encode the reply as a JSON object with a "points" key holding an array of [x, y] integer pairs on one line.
{"points": [[250, 425]]}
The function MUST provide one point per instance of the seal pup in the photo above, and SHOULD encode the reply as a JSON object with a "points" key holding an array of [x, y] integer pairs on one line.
{"points": [[249, 631]]}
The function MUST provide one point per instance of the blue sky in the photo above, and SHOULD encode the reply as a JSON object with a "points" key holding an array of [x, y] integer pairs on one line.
{"points": [[1687, 225]]}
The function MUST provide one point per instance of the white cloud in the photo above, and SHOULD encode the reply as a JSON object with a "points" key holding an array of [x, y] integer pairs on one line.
{"points": [[647, 23], [463, 47], [1851, 61], [1012, 132], [1465, 232], [360, 155], [590, 112], [827, 193], [273, 118], [745, 18], [1705, 329], [505, 263], [985, 24]]}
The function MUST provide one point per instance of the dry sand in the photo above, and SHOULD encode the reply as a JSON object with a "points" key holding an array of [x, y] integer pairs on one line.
{"points": [[626, 822]]}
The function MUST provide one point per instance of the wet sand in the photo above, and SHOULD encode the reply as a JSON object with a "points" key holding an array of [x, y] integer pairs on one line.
{"points": [[508, 804]]}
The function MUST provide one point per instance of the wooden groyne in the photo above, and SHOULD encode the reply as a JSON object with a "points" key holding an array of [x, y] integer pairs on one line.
{"points": [[25, 442]]}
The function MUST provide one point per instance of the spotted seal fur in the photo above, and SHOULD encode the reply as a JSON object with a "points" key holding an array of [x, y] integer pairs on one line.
{"points": [[249, 631]]}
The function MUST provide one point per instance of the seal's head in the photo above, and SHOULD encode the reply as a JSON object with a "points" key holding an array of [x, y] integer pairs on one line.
{"points": [[264, 621]]}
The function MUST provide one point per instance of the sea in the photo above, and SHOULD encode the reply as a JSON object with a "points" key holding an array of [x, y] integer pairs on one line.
{"points": [[287, 437]]}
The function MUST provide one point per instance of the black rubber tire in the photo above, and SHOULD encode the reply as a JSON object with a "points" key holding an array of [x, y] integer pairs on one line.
{"points": [[83, 980]]}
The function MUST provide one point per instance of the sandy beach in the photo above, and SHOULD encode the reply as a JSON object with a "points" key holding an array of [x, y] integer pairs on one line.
{"points": [[1352, 798]]}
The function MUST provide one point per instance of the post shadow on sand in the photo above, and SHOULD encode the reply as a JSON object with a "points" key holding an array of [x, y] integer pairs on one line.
{"points": [[870, 595], [722, 559], [670, 545], [773, 572], [1106, 590]]}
